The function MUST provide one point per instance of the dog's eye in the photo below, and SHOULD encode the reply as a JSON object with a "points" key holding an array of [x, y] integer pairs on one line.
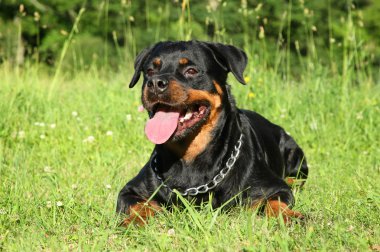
{"points": [[150, 72], [191, 71]]}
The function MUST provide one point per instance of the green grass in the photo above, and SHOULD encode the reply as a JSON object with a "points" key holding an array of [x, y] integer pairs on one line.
{"points": [[58, 191]]}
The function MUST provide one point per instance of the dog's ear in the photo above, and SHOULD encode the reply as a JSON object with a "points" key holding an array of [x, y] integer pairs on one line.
{"points": [[139, 63], [230, 59]]}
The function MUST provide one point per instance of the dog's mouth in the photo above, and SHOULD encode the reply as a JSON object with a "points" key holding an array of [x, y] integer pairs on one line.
{"points": [[170, 122]]}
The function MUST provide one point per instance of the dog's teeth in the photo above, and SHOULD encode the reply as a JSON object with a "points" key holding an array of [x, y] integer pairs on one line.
{"points": [[188, 115], [181, 120]]}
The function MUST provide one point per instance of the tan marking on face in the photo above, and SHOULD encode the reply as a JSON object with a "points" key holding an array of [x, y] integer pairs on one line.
{"points": [[157, 62], [145, 95], [177, 92], [177, 95], [183, 61], [218, 88], [200, 139]]}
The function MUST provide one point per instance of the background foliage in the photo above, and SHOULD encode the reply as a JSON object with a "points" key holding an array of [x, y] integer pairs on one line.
{"points": [[109, 32], [71, 135]]}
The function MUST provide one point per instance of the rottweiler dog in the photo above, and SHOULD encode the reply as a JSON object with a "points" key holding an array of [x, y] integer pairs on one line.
{"points": [[206, 149]]}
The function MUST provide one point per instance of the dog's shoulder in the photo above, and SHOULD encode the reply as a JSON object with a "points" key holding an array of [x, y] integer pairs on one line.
{"points": [[261, 124]]}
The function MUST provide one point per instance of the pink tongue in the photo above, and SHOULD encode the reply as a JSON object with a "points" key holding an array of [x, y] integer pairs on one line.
{"points": [[162, 126]]}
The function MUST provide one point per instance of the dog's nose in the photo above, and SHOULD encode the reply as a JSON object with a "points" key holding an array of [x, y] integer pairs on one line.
{"points": [[158, 85]]}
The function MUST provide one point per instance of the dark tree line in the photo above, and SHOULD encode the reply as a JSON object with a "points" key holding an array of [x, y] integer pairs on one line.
{"points": [[111, 30]]}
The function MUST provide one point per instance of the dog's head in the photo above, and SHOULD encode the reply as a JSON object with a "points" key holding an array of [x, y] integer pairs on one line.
{"points": [[184, 86]]}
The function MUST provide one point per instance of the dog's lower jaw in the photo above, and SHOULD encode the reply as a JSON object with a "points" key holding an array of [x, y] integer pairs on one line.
{"points": [[188, 134], [194, 144]]}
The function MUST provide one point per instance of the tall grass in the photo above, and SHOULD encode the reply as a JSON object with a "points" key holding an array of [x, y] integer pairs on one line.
{"points": [[69, 142]]}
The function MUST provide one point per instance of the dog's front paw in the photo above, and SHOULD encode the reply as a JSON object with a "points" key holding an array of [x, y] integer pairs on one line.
{"points": [[140, 212], [290, 215], [276, 208]]}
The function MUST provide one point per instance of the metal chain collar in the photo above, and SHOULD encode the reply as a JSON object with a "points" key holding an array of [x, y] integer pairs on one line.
{"points": [[192, 191]]}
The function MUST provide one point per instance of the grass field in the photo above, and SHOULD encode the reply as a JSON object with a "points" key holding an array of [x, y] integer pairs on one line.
{"points": [[66, 152]]}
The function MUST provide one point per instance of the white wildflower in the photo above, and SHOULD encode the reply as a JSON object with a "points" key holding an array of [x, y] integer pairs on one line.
{"points": [[21, 134], [171, 232], [47, 169], [89, 139], [359, 116], [39, 124], [350, 228]]}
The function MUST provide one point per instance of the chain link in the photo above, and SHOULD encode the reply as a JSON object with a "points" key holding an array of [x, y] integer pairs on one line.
{"points": [[218, 178]]}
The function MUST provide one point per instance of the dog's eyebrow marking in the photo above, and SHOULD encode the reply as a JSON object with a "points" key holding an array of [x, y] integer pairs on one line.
{"points": [[218, 88], [157, 62], [183, 61]]}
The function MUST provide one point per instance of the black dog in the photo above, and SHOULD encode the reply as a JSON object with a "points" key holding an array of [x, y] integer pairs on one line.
{"points": [[204, 144]]}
